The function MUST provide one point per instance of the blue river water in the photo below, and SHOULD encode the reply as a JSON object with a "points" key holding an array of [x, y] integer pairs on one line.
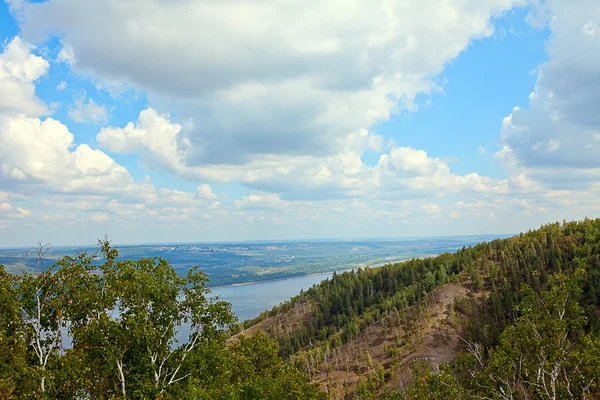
{"points": [[249, 300]]}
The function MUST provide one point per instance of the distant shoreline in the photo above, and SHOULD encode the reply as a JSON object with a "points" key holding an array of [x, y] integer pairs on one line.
{"points": [[94, 246], [320, 273]]}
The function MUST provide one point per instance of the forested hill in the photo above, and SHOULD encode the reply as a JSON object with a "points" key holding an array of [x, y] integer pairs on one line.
{"points": [[516, 318], [523, 311]]}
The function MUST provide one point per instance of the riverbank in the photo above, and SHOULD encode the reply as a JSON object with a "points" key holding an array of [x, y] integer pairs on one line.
{"points": [[328, 273]]}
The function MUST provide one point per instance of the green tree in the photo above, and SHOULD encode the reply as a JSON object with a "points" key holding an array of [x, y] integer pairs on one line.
{"points": [[124, 318], [126, 314], [546, 354], [13, 357]]}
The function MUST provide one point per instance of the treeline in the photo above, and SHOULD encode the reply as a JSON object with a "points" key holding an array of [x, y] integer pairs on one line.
{"points": [[346, 304], [513, 275], [531, 258], [122, 319], [536, 335], [532, 332], [548, 352]]}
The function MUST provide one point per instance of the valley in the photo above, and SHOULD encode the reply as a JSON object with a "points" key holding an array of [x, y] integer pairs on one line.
{"points": [[247, 262], [477, 322]]}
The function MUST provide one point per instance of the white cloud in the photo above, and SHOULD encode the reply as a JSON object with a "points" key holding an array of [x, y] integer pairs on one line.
{"points": [[90, 111], [290, 122], [61, 86], [153, 136], [591, 29], [66, 55], [481, 150], [41, 153], [553, 138], [99, 217], [402, 172], [412, 162], [205, 192], [23, 212], [348, 65], [35, 152], [553, 145], [7, 210], [431, 209], [19, 69], [522, 183]]}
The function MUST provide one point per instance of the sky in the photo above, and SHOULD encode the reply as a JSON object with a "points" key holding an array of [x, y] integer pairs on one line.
{"points": [[153, 121]]}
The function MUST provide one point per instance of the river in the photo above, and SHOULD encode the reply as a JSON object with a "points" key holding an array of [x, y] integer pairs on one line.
{"points": [[249, 300]]}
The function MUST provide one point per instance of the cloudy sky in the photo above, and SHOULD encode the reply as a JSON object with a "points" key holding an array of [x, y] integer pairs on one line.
{"points": [[210, 120]]}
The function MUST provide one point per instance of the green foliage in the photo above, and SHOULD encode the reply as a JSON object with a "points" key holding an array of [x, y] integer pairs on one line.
{"points": [[249, 369], [531, 331], [427, 384], [122, 317], [545, 354], [371, 383], [515, 281], [349, 302]]}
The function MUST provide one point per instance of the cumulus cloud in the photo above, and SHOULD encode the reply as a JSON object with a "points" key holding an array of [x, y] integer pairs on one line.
{"points": [[153, 136], [36, 151], [19, 69], [7, 210], [555, 134], [416, 170], [23, 212], [99, 217], [289, 116], [40, 156], [412, 162], [205, 192], [401, 172], [41, 152], [331, 70]]}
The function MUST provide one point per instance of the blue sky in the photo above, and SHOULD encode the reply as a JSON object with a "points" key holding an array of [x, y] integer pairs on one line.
{"points": [[285, 120]]}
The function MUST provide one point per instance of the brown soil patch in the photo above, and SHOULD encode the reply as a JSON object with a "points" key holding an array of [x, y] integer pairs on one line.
{"points": [[395, 342], [278, 325]]}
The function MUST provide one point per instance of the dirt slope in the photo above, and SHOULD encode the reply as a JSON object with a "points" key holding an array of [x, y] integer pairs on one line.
{"points": [[394, 342], [426, 331]]}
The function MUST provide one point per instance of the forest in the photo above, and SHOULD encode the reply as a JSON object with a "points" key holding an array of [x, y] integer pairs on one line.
{"points": [[528, 327], [517, 318]]}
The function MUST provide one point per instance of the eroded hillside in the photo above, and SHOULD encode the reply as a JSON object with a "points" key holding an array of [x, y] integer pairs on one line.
{"points": [[360, 334]]}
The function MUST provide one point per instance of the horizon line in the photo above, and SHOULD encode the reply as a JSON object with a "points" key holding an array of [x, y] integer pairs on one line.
{"points": [[299, 240]]}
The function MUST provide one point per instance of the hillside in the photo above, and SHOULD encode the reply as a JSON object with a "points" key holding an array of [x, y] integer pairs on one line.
{"points": [[516, 318], [362, 333]]}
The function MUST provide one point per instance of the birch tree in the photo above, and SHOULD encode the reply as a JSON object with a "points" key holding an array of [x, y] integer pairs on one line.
{"points": [[40, 298], [125, 318], [545, 354]]}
